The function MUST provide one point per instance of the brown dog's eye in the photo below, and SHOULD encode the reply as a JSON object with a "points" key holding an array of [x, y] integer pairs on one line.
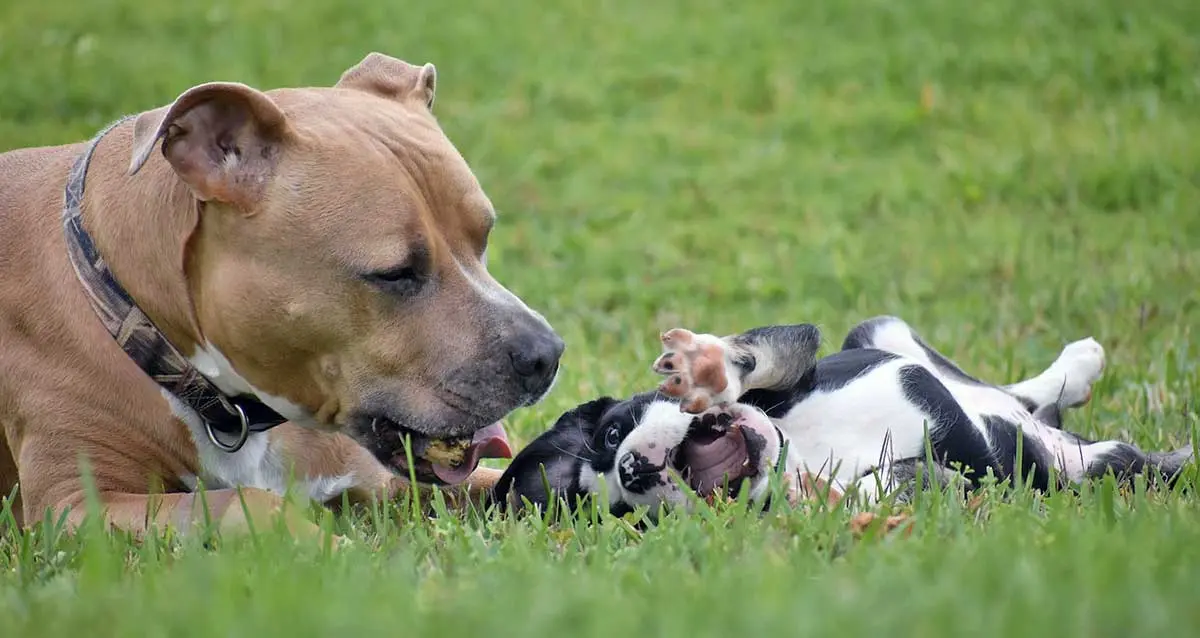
{"points": [[402, 280]]}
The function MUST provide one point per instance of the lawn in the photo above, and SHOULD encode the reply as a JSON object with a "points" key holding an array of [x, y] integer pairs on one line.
{"points": [[1008, 178]]}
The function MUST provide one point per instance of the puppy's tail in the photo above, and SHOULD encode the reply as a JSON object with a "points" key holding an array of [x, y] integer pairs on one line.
{"points": [[1171, 464]]}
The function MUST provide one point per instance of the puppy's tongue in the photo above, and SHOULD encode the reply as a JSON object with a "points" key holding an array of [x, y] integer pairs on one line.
{"points": [[712, 462], [489, 443]]}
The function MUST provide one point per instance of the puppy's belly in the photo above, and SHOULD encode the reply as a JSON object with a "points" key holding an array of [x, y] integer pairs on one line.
{"points": [[860, 426]]}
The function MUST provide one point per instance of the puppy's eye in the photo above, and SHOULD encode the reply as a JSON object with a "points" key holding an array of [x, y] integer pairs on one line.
{"points": [[398, 280], [612, 438]]}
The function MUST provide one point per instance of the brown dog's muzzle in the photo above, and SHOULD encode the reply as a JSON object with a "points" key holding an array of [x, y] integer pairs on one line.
{"points": [[534, 354], [443, 438]]}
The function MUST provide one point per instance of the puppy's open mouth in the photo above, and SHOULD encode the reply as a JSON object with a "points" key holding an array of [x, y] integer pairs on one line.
{"points": [[718, 454], [446, 461]]}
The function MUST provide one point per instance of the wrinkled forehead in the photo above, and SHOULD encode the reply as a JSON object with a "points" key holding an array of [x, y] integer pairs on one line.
{"points": [[373, 171]]}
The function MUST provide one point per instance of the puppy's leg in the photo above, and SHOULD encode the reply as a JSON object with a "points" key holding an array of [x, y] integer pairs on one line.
{"points": [[129, 483], [1081, 459], [228, 511], [1067, 383], [892, 334], [703, 370]]}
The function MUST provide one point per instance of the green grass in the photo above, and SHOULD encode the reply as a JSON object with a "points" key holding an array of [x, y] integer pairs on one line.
{"points": [[1007, 177]]}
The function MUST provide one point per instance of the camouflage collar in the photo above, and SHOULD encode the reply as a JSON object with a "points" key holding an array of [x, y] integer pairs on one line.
{"points": [[227, 420]]}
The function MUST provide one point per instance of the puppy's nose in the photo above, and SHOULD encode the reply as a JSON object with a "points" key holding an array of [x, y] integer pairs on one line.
{"points": [[535, 357], [638, 475]]}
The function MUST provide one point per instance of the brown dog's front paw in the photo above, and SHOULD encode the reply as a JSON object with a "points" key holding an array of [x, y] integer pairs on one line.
{"points": [[696, 370]]}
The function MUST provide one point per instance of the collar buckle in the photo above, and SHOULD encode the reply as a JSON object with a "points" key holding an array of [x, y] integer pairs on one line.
{"points": [[242, 435]]}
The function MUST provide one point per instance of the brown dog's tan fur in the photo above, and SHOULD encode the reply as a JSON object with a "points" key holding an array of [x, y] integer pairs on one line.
{"points": [[259, 253]]}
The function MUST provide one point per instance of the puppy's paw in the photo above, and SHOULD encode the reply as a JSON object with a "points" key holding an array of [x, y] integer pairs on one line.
{"points": [[1080, 364], [698, 371]]}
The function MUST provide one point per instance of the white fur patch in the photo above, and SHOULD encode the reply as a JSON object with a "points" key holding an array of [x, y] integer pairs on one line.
{"points": [[594, 482], [217, 368], [662, 424], [840, 434], [257, 464]]}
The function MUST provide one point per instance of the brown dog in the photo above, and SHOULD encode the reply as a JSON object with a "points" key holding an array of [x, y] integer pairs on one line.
{"points": [[311, 255]]}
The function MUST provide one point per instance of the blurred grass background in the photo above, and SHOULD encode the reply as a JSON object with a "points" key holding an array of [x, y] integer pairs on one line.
{"points": [[1007, 176]]}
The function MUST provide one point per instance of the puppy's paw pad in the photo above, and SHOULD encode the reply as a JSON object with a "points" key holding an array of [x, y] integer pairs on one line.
{"points": [[669, 362], [695, 367]]}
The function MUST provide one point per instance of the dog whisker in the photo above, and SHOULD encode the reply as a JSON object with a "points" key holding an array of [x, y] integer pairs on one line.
{"points": [[570, 453]]}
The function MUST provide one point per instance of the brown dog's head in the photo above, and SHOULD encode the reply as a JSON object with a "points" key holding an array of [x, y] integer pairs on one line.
{"points": [[338, 265]]}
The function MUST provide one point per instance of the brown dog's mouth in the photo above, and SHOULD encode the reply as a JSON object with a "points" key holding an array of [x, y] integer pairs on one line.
{"points": [[717, 454], [447, 461]]}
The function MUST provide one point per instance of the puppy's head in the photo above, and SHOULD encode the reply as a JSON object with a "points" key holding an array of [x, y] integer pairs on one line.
{"points": [[638, 451], [338, 262]]}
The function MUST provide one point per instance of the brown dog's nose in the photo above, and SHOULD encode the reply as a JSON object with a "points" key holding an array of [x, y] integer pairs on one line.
{"points": [[535, 356]]}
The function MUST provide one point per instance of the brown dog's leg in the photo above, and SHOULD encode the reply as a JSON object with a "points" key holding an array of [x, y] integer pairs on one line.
{"points": [[137, 486], [227, 511]]}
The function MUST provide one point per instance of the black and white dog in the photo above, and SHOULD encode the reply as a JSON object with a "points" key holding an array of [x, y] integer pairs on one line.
{"points": [[859, 420]]}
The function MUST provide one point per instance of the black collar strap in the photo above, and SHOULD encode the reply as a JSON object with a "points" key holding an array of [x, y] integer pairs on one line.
{"points": [[780, 466], [227, 420], [781, 462]]}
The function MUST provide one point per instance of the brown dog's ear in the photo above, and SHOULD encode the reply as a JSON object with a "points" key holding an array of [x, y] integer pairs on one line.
{"points": [[222, 139], [391, 78]]}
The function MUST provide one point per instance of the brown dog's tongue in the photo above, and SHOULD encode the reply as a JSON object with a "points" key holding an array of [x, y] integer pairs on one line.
{"points": [[489, 443]]}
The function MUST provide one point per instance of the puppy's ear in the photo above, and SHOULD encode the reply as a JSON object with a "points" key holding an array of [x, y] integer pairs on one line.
{"points": [[222, 139], [592, 411], [555, 456], [391, 78]]}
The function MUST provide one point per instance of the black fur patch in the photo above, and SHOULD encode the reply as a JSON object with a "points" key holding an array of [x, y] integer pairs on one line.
{"points": [[560, 452], [863, 336], [1124, 461], [1036, 460], [794, 346], [829, 374], [953, 436], [576, 440]]}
